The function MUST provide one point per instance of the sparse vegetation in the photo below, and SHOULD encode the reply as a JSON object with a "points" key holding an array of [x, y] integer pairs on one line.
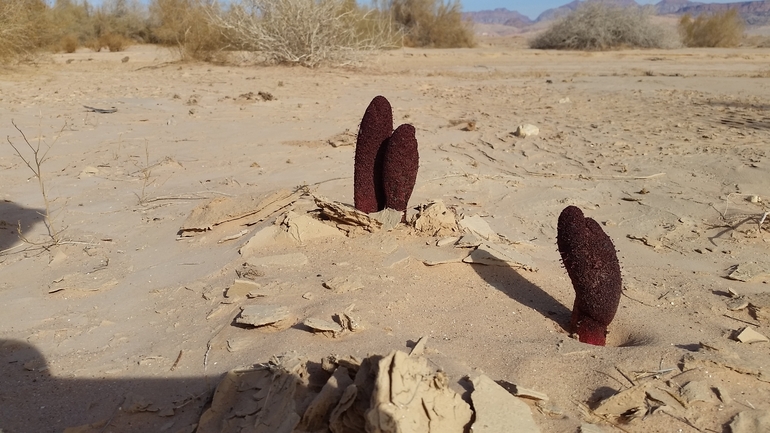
{"points": [[724, 29], [185, 25], [23, 28], [34, 160], [599, 26], [302, 32], [432, 23]]}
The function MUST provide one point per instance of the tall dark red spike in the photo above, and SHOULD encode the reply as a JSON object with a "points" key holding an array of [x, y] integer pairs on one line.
{"points": [[400, 163], [592, 265], [375, 129]]}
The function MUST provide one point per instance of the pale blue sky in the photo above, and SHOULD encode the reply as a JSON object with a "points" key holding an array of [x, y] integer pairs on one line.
{"points": [[533, 8]]}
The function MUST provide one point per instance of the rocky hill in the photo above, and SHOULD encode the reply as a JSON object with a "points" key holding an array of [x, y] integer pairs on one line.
{"points": [[499, 16], [754, 12]]}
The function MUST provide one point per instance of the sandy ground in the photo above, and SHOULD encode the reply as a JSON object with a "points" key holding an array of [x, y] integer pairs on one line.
{"points": [[663, 148]]}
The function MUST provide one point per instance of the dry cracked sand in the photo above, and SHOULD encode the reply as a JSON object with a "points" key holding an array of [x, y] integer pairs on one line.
{"points": [[129, 326]]}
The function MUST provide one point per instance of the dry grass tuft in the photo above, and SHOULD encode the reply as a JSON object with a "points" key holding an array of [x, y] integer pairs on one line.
{"points": [[302, 32], [69, 43], [23, 29], [724, 29], [114, 42], [599, 26], [432, 23], [187, 26]]}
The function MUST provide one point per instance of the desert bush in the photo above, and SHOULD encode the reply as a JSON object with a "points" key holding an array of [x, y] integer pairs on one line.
{"points": [[24, 28], [303, 32], [71, 20], [127, 18], [432, 23], [69, 43], [114, 42], [600, 26], [724, 29], [187, 26]]}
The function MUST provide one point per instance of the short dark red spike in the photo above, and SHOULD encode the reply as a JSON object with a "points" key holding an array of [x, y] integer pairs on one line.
{"points": [[401, 160], [376, 126], [592, 265]]}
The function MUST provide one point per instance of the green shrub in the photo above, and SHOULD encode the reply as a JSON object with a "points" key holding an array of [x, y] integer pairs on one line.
{"points": [[724, 29], [432, 23], [599, 26]]}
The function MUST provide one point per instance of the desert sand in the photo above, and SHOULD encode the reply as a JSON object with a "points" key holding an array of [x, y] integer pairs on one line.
{"points": [[125, 326]]}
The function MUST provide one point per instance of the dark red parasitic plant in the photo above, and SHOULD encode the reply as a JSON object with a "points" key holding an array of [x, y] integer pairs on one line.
{"points": [[592, 264], [399, 168], [376, 127]]}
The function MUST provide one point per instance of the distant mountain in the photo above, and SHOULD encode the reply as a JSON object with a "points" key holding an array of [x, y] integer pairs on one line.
{"points": [[753, 12], [666, 7], [499, 16], [561, 11]]}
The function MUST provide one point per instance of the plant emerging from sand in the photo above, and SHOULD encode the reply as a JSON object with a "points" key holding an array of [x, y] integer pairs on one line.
{"points": [[34, 161], [386, 161], [592, 264]]}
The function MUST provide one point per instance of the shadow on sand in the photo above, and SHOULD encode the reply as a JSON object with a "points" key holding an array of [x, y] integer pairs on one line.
{"points": [[518, 288], [32, 400], [11, 217]]}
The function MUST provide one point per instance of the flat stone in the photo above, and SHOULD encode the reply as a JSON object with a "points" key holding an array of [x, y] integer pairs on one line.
{"points": [[498, 255], [591, 428], [526, 130], [749, 335], [419, 347], [395, 258], [261, 315], [347, 215], [624, 402], [242, 289], [759, 305], [293, 259], [736, 304], [343, 284], [751, 421], [529, 393], [236, 344], [261, 239], [350, 320], [431, 256], [451, 240], [389, 218], [321, 325], [477, 225], [469, 241], [748, 271], [497, 410], [304, 228], [697, 390], [436, 220]]}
